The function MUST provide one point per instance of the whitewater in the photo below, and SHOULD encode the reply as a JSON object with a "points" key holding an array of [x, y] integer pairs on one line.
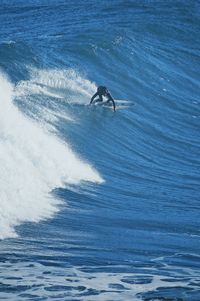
{"points": [[34, 162]]}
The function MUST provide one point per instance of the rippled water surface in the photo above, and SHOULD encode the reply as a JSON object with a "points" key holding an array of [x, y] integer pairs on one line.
{"points": [[97, 205]]}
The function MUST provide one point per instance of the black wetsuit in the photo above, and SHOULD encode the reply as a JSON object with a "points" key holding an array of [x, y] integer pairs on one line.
{"points": [[103, 91]]}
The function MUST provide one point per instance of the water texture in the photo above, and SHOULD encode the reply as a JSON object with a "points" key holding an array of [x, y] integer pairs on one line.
{"points": [[96, 204]]}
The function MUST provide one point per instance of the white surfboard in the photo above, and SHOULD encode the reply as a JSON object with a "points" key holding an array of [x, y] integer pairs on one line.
{"points": [[121, 101], [120, 104], [117, 107]]}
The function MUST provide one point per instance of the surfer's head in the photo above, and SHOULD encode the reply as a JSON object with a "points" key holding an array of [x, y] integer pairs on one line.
{"points": [[102, 90]]}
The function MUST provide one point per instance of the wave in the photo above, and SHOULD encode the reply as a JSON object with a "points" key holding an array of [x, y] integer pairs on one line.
{"points": [[33, 162]]}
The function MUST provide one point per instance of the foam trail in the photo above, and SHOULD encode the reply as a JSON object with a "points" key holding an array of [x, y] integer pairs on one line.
{"points": [[65, 84], [33, 162]]}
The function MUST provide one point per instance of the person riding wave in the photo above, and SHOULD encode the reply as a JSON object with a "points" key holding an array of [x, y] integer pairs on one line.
{"points": [[103, 91]]}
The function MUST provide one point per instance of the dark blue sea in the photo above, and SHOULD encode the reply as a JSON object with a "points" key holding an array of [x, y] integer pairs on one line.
{"points": [[97, 205]]}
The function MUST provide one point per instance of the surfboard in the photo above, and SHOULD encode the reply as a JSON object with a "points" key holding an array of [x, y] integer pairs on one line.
{"points": [[116, 107], [122, 101], [120, 104], [117, 102]]}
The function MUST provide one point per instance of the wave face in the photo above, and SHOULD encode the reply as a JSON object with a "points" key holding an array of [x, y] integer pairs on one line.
{"points": [[97, 205]]}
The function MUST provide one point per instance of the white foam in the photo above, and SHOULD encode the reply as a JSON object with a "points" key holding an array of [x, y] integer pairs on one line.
{"points": [[65, 84], [32, 163], [78, 284]]}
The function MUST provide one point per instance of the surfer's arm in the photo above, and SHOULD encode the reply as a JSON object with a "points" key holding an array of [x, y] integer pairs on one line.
{"points": [[93, 97], [112, 100]]}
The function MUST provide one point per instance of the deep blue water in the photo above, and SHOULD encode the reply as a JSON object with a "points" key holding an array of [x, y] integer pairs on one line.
{"points": [[97, 205]]}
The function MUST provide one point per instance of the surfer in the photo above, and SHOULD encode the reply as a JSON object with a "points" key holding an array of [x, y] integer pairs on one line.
{"points": [[103, 91]]}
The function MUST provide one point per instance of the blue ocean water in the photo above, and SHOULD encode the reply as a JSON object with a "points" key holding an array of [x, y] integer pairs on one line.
{"points": [[97, 205]]}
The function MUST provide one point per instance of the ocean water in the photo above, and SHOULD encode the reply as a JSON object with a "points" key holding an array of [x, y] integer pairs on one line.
{"points": [[97, 205]]}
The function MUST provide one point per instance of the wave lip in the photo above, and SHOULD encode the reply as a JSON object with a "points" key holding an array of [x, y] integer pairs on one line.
{"points": [[33, 163]]}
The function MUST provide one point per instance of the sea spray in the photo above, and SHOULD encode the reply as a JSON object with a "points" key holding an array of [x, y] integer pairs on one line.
{"points": [[66, 84]]}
